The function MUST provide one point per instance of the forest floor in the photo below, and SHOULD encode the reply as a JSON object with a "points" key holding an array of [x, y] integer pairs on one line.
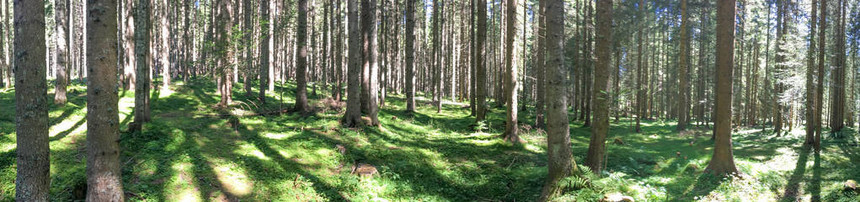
{"points": [[192, 151]]}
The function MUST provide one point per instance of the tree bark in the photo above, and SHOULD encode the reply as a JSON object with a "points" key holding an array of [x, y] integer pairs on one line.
{"points": [[810, 79], [540, 69], [560, 159], [141, 93], [61, 66], [600, 127], [264, 50], [410, 56], [683, 110], [639, 92], [822, 23], [722, 162], [302, 58], [33, 179], [480, 54], [352, 118], [511, 84], [371, 53], [104, 180]]}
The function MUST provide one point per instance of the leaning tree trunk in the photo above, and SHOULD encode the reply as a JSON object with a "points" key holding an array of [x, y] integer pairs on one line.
{"points": [[104, 180], [600, 127], [33, 178], [561, 163], [723, 161]]}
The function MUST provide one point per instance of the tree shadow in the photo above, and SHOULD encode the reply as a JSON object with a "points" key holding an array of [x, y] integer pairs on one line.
{"points": [[792, 189]]}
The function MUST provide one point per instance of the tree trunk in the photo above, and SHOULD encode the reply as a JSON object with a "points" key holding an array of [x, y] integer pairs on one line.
{"points": [[822, 23], [810, 80], [600, 127], [722, 162], [480, 55], [540, 68], [639, 92], [61, 14], [352, 118], [682, 70], [302, 59], [511, 85], [264, 50], [31, 106], [560, 160], [410, 56], [104, 180], [369, 27], [141, 37]]}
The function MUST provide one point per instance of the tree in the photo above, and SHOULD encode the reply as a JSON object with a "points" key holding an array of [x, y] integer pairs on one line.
{"points": [[302, 58], [165, 46], [810, 80], [438, 10], [600, 127], [480, 54], [511, 75], [370, 53], [225, 51], [31, 106], [410, 56], [60, 14], [264, 50], [683, 92], [540, 71], [723, 161], [822, 24], [352, 118], [104, 180], [640, 93], [141, 49], [837, 81], [560, 158]]}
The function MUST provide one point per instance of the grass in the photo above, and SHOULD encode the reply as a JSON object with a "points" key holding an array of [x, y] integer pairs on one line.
{"points": [[192, 151]]}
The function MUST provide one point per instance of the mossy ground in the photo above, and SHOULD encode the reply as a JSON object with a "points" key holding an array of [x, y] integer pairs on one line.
{"points": [[192, 151]]}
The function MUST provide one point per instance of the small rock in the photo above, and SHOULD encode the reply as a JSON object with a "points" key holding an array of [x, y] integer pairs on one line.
{"points": [[850, 185], [616, 197], [618, 141]]}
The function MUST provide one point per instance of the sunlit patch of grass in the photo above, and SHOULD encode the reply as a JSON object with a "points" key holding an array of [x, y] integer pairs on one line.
{"points": [[182, 184]]}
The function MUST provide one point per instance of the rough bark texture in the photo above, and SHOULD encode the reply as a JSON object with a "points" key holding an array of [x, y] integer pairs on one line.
{"points": [[640, 93], [511, 83], [810, 79], [33, 178], [104, 180], [61, 65], [226, 54], [560, 158], [141, 92], [371, 53], [837, 80], [410, 56], [723, 162], [683, 91], [352, 118], [822, 23], [264, 50], [540, 70], [302, 58], [600, 127], [480, 55]]}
